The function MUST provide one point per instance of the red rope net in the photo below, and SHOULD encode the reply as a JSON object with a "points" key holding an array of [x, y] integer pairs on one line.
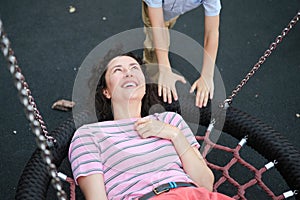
{"points": [[236, 158]]}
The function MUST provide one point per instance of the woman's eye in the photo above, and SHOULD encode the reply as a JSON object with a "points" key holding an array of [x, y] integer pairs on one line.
{"points": [[135, 67], [116, 70]]}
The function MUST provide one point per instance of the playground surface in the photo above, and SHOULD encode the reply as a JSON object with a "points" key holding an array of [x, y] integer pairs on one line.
{"points": [[50, 42]]}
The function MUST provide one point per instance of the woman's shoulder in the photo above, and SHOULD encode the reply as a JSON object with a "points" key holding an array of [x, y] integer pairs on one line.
{"points": [[167, 116], [89, 127]]}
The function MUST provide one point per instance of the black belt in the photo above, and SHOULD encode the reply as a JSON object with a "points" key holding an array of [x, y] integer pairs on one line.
{"points": [[165, 188]]}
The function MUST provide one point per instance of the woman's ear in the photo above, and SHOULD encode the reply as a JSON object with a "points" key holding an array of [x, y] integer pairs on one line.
{"points": [[106, 93]]}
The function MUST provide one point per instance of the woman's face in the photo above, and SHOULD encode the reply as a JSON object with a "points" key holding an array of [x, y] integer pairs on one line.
{"points": [[125, 80]]}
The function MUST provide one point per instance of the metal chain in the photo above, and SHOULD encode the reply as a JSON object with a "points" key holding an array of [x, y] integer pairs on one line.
{"points": [[36, 122], [263, 58], [15, 69]]}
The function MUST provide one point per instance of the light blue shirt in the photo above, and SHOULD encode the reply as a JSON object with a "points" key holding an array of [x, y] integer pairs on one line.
{"points": [[174, 8]]}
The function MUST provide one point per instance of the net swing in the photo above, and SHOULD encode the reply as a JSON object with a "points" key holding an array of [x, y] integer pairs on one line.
{"points": [[41, 169]]}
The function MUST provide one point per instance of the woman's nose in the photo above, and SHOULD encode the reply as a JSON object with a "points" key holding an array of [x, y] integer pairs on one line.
{"points": [[128, 73]]}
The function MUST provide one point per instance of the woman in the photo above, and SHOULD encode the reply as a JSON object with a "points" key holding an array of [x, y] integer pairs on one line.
{"points": [[130, 156]]}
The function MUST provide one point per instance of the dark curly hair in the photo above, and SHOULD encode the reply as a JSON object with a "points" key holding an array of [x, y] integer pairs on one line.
{"points": [[103, 105]]}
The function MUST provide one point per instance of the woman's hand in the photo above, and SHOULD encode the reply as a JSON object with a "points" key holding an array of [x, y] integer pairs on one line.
{"points": [[147, 127]]}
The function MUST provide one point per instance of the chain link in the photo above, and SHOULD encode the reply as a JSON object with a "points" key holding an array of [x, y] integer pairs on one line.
{"points": [[263, 58], [33, 115]]}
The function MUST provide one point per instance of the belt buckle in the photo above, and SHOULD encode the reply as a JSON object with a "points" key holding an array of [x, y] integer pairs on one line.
{"points": [[166, 189]]}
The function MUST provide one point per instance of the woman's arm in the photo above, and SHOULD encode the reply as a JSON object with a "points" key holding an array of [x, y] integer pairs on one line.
{"points": [[192, 161], [92, 187]]}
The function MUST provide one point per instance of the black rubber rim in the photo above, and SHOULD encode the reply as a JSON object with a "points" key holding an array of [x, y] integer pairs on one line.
{"points": [[34, 181]]}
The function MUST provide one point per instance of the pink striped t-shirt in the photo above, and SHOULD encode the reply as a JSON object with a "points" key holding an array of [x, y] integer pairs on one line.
{"points": [[131, 166]]}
